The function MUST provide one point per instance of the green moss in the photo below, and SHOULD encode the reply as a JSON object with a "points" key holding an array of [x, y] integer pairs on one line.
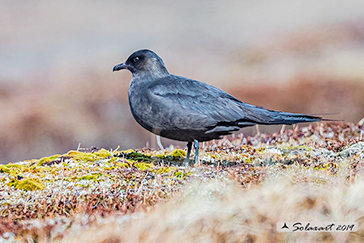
{"points": [[178, 153], [47, 159], [139, 157], [16, 166], [69, 179], [13, 182], [11, 168], [113, 159], [319, 167], [127, 151], [89, 177], [27, 184], [181, 174], [4, 169], [109, 168], [122, 153], [35, 169], [102, 153], [142, 166], [123, 165], [331, 165], [164, 170], [81, 156]]}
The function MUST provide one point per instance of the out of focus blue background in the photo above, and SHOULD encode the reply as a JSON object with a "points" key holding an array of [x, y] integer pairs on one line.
{"points": [[57, 88]]}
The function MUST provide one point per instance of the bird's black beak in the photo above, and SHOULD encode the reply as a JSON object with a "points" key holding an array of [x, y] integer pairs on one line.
{"points": [[120, 66]]}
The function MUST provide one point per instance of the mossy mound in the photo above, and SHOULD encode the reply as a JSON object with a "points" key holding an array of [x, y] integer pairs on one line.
{"points": [[27, 184]]}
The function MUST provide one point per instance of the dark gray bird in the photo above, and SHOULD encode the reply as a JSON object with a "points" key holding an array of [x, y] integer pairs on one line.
{"points": [[188, 110]]}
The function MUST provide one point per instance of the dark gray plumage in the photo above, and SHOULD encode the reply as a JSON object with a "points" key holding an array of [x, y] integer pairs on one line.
{"points": [[188, 110]]}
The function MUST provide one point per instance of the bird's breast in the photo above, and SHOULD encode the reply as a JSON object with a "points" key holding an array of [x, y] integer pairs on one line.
{"points": [[142, 108]]}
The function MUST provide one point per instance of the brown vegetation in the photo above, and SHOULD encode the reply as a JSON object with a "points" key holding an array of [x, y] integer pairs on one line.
{"points": [[241, 190]]}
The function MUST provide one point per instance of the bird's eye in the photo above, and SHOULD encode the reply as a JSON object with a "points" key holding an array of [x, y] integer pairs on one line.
{"points": [[136, 59]]}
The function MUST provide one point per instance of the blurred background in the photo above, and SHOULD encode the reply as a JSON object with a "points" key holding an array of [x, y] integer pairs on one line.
{"points": [[57, 88]]}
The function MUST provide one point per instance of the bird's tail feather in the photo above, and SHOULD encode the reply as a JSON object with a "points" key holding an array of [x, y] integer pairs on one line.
{"points": [[292, 118]]}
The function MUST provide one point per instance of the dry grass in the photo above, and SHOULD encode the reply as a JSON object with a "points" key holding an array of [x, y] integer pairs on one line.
{"points": [[244, 187], [220, 210]]}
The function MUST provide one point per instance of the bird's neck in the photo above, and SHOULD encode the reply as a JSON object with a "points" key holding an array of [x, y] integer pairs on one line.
{"points": [[150, 74]]}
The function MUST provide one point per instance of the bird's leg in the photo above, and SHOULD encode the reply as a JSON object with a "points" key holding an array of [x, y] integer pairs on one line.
{"points": [[195, 143], [189, 146], [159, 142], [282, 129], [258, 131]]}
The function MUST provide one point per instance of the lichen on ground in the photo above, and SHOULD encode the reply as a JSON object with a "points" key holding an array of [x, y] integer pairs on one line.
{"points": [[45, 199]]}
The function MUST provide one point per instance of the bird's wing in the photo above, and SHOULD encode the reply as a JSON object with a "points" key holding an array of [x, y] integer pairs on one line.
{"points": [[189, 104]]}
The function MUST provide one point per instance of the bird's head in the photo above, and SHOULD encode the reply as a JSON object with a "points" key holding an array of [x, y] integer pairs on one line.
{"points": [[144, 63]]}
